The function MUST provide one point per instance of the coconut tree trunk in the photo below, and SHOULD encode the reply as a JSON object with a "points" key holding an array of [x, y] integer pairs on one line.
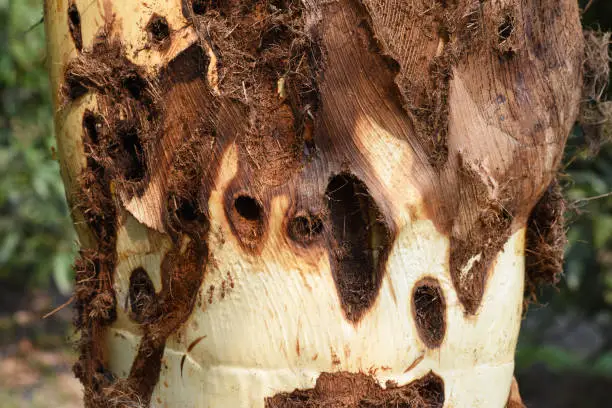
{"points": [[303, 203]]}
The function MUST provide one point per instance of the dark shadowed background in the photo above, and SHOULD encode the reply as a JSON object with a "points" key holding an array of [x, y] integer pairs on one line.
{"points": [[564, 358]]}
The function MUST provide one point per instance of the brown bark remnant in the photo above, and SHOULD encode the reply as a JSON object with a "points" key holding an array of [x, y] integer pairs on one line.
{"points": [[119, 139], [520, 70], [360, 243], [349, 390], [504, 57], [424, 69], [74, 25], [545, 241], [182, 273], [94, 311], [95, 304], [546, 238], [514, 398], [429, 311], [473, 249]]}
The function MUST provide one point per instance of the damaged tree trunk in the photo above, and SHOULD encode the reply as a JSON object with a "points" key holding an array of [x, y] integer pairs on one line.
{"points": [[303, 203]]}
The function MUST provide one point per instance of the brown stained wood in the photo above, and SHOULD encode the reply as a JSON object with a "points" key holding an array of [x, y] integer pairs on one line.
{"points": [[504, 149], [479, 186], [534, 94]]}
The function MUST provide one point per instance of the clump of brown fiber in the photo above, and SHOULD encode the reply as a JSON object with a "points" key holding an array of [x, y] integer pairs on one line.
{"points": [[350, 390], [265, 66], [126, 118], [94, 294], [595, 115], [545, 241]]}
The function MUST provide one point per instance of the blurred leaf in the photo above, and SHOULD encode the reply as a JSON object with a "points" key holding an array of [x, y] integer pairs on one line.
{"points": [[555, 358], [8, 246], [62, 272], [603, 365], [603, 230]]}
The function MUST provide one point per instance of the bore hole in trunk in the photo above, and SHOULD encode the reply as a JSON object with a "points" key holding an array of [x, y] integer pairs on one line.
{"points": [[135, 85], [74, 25], [191, 64], [132, 159], [429, 311], [248, 208], [74, 87], [246, 215], [142, 296], [187, 211], [158, 29], [186, 216], [505, 29], [305, 228], [361, 242], [90, 126]]}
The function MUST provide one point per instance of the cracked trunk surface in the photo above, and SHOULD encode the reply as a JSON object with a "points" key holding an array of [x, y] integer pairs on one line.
{"points": [[288, 203]]}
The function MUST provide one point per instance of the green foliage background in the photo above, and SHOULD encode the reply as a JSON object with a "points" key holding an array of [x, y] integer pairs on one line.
{"points": [[37, 242], [36, 235]]}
